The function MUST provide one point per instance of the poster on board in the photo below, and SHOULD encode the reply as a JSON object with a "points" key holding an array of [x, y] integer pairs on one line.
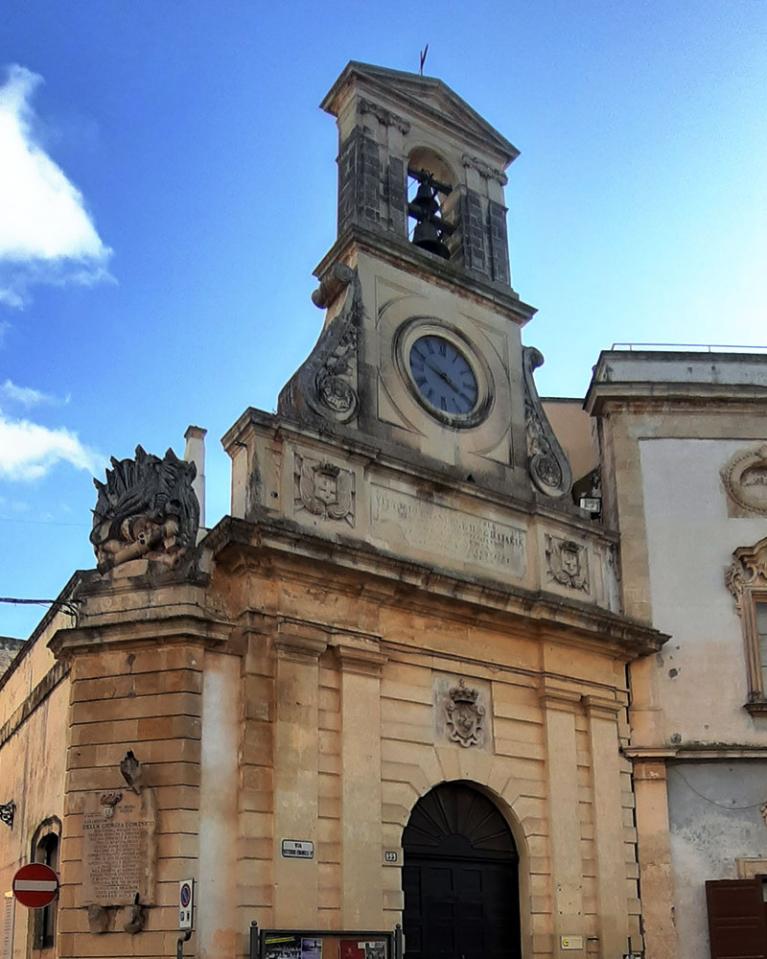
{"points": [[282, 947]]}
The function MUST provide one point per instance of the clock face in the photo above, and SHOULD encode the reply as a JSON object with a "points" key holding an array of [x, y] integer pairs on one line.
{"points": [[443, 375]]}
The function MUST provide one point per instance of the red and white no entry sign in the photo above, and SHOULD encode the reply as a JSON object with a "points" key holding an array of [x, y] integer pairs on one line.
{"points": [[35, 885]]}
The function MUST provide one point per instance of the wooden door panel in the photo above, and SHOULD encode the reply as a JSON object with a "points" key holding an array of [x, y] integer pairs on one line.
{"points": [[736, 919]]}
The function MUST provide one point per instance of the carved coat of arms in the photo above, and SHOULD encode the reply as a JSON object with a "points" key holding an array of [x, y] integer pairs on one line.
{"points": [[567, 562], [325, 489], [465, 716]]}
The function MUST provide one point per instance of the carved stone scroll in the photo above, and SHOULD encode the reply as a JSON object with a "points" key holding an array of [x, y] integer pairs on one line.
{"points": [[384, 116], [745, 479], [484, 169], [325, 386], [747, 571], [324, 489], [567, 562], [547, 462], [146, 509]]}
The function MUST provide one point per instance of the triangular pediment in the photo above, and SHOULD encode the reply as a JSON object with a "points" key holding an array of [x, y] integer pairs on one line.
{"points": [[419, 95]]}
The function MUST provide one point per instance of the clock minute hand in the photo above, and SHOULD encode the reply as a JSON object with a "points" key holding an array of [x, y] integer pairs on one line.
{"points": [[444, 376]]}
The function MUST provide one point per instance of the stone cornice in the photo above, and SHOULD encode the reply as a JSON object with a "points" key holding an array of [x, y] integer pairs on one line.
{"points": [[35, 698], [268, 542], [565, 700], [300, 641], [402, 254], [359, 654], [128, 629], [599, 707], [693, 753]]}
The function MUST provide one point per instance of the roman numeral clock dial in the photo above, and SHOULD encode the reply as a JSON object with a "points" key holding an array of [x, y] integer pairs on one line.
{"points": [[443, 376]]}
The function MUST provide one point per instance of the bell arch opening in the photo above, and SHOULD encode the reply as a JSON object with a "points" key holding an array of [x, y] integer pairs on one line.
{"points": [[460, 878], [430, 184]]}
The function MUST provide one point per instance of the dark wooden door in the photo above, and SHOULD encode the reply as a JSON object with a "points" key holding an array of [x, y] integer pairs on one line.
{"points": [[737, 923], [460, 879]]}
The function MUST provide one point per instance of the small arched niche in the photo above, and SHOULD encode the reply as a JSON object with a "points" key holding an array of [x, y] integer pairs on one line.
{"points": [[460, 877]]}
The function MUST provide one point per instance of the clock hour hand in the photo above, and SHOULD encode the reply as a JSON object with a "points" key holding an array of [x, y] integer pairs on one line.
{"points": [[445, 377]]}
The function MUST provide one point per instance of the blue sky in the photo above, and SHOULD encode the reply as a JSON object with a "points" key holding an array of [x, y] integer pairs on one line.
{"points": [[167, 185]]}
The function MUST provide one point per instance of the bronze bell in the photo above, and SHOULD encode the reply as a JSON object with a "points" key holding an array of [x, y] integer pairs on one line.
{"points": [[427, 237], [424, 203]]}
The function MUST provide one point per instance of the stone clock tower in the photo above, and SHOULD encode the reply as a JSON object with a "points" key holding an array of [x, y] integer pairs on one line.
{"points": [[403, 653], [422, 348]]}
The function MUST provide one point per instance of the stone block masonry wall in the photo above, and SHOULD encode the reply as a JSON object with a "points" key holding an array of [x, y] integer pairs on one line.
{"points": [[147, 699]]}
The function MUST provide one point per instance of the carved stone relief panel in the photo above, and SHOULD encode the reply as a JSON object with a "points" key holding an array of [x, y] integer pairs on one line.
{"points": [[462, 711], [567, 563], [745, 480], [324, 489]]}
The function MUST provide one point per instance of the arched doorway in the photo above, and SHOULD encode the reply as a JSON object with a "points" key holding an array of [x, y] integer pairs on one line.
{"points": [[460, 878]]}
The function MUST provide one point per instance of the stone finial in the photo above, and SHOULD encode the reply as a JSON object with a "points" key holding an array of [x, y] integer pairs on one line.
{"points": [[146, 509]]}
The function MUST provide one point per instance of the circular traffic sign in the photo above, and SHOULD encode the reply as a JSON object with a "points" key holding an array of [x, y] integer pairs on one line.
{"points": [[185, 894], [35, 885]]}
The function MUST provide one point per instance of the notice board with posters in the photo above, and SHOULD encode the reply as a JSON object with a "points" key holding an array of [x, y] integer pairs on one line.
{"points": [[312, 944]]}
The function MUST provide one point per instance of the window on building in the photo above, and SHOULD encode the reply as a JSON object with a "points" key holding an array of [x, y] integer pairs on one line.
{"points": [[760, 623], [45, 849], [746, 578]]}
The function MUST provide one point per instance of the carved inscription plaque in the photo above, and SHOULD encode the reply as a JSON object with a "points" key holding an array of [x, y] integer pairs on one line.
{"points": [[119, 850], [448, 534]]}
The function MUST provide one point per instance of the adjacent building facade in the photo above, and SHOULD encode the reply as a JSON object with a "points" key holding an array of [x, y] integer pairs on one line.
{"points": [[392, 687], [685, 481]]}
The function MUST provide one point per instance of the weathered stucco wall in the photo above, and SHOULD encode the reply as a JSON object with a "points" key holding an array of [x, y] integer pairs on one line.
{"points": [[34, 704], [690, 540], [715, 819]]}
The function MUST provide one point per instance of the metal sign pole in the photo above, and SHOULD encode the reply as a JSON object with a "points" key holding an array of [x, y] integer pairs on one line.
{"points": [[180, 943], [253, 951]]}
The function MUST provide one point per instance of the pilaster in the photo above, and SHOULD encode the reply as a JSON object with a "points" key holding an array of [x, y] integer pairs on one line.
{"points": [[655, 872], [360, 661], [298, 647], [609, 844], [559, 708]]}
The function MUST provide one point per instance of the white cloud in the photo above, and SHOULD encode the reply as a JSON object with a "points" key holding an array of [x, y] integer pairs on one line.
{"points": [[46, 234], [27, 396], [29, 450]]}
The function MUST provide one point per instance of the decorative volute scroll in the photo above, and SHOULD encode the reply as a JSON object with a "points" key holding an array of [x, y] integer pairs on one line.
{"points": [[465, 715], [747, 571], [745, 479], [147, 509], [325, 386], [547, 462]]}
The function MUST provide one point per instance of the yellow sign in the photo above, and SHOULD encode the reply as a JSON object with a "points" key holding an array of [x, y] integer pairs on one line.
{"points": [[571, 942]]}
